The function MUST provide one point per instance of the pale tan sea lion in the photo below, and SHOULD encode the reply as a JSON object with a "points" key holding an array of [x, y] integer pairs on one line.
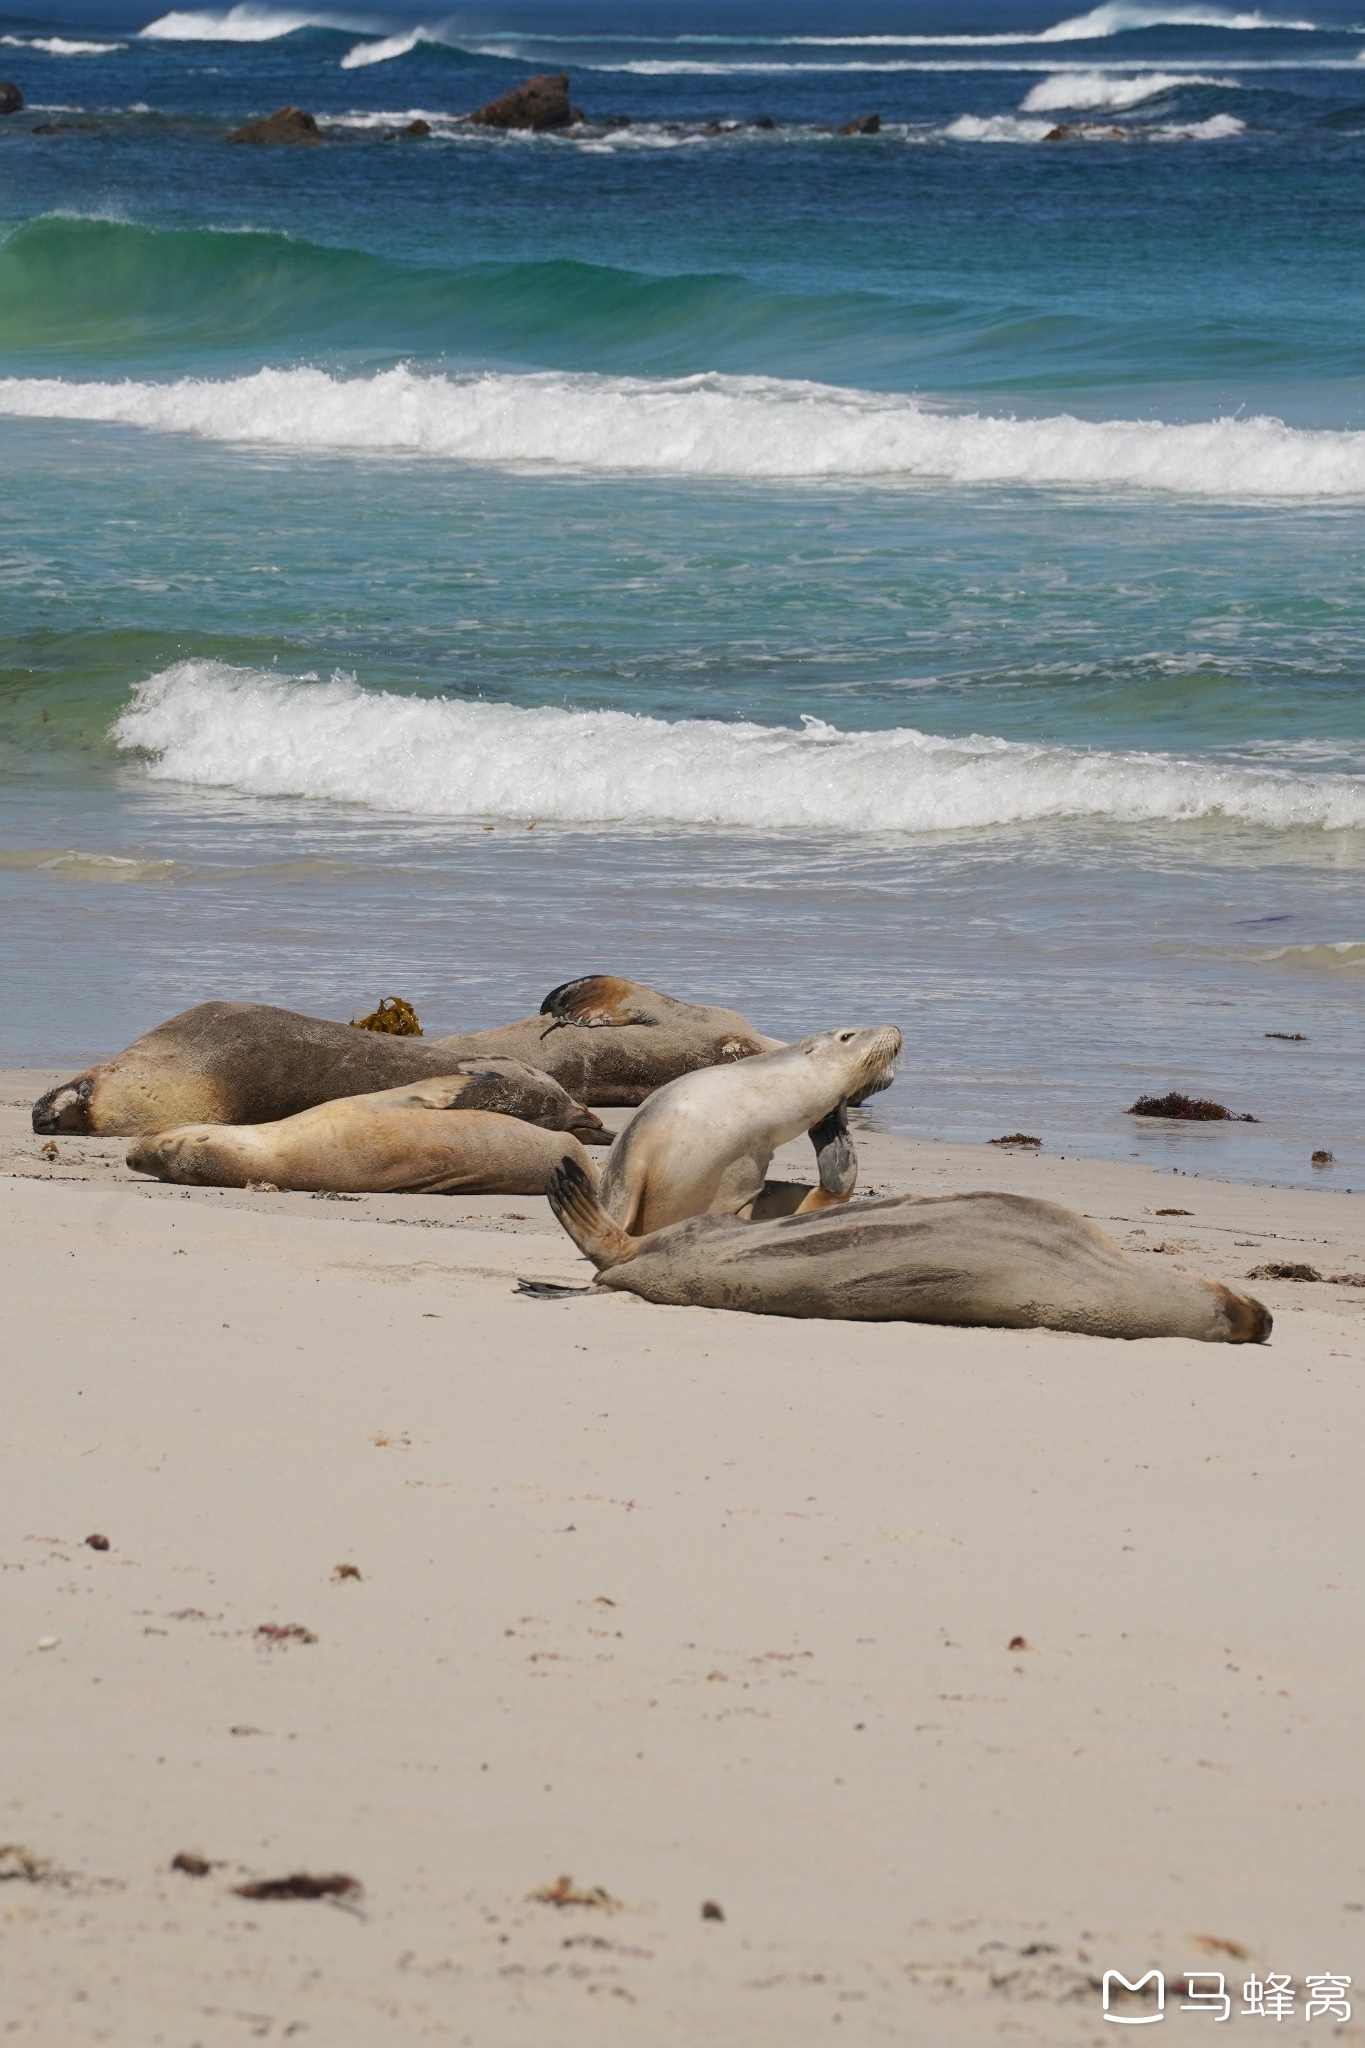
{"points": [[612, 1042], [1005, 1261], [400, 1141], [247, 1063], [705, 1141]]}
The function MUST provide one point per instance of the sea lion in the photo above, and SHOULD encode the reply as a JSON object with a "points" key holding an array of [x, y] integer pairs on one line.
{"points": [[612, 1042], [249, 1063], [1006, 1261], [416, 1140], [705, 1141]]}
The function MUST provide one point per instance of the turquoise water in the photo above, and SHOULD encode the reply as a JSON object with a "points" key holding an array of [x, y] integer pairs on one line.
{"points": [[912, 576]]}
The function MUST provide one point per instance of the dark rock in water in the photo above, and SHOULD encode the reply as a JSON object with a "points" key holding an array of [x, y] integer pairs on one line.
{"points": [[541, 103], [1063, 134], [1187, 1109], [1324, 1159], [285, 125], [616, 121], [11, 99], [68, 128], [866, 124], [577, 116], [416, 129], [765, 121]]}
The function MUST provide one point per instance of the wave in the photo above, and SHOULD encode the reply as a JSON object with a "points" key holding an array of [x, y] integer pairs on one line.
{"points": [[1104, 89], [60, 46], [711, 426], [389, 47], [209, 723], [244, 23], [1348, 954]]}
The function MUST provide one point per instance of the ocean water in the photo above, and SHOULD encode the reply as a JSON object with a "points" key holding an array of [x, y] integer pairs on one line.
{"points": [[912, 576]]}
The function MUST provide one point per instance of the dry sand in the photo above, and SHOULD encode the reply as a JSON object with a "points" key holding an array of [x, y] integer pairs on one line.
{"points": [[692, 1606]]}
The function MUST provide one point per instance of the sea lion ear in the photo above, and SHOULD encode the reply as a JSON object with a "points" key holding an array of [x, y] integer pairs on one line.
{"points": [[597, 999]]}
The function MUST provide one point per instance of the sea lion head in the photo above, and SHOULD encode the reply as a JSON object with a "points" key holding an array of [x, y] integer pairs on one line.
{"points": [[1249, 1321], [65, 1108], [194, 1155], [863, 1058]]}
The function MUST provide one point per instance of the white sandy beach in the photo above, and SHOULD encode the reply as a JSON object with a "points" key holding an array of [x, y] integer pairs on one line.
{"points": [[693, 1606]]}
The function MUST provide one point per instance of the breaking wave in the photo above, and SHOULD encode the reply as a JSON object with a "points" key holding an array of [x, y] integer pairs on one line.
{"points": [[244, 23], [208, 723], [1102, 89], [711, 426]]}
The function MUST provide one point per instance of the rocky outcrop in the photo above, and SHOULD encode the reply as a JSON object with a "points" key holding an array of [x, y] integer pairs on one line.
{"points": [[416, 129], [285, 125], [866, 124], [11, 99], [539, 103]]}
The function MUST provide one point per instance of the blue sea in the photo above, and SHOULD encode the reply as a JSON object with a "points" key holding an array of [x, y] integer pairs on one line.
{"points": [[916, 575]]}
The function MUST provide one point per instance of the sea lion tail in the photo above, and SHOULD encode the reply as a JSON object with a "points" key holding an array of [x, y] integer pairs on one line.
{"points": [[571, 1196]]}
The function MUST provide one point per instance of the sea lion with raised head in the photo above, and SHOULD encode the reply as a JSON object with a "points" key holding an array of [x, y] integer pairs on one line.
{"points": [[415, 1140], [705, 1141], [1004, 1261], [244, 1063], [249, 1063]]}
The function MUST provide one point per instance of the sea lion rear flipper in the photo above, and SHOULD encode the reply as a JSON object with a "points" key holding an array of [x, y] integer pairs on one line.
{"points": [[576, 1206], [834, 1151], [596, 999]]}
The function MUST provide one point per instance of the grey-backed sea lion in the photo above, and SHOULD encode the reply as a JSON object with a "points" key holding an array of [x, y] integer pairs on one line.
{"points": [[248, 1063], [613, 1042], [705, 1141], [403, 1140], [1006, 1261]]}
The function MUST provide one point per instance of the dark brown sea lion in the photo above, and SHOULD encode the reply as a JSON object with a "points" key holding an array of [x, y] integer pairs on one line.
{"points": [[412, 1140], [248, 1063], [1005, 1261]]}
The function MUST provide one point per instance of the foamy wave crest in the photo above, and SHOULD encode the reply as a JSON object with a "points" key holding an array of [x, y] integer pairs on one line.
{"points": [[1118, 17], [60, 46], [713, 426], [389, 47], [1103, 89], [241, 24], [205, 722]]}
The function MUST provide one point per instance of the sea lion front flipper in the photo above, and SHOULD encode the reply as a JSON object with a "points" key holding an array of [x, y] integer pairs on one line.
{"points": [[597, 999], [834, 1151]]}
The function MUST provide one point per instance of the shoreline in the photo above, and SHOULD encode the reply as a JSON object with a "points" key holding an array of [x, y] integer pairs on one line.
{"points": [[692, 1606]]}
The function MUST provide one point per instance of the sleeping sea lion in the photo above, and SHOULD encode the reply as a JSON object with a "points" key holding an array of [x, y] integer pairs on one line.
{"points": [[252, 1063], [1006, 1261], [612, 1042], [704, 1142], [249, 1063], [412, 1140]]}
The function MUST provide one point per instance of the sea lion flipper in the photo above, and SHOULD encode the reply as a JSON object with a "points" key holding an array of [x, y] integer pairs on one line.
{"points": [[597, 999], [834, 1151], [575, 1204]]}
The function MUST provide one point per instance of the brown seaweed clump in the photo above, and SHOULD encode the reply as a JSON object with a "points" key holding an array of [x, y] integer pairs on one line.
{"points": [[301, 1884], [564, 1892], [394, 1016], [1015, 1138], [1188, 1109], [1284, 1269]]}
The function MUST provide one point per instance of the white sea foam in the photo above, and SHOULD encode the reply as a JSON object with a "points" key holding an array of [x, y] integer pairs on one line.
{"points": [[60, 46], [244, 23], [206, 722], [389, 47], [712, 426], [996, 128], [1104, 89]]}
